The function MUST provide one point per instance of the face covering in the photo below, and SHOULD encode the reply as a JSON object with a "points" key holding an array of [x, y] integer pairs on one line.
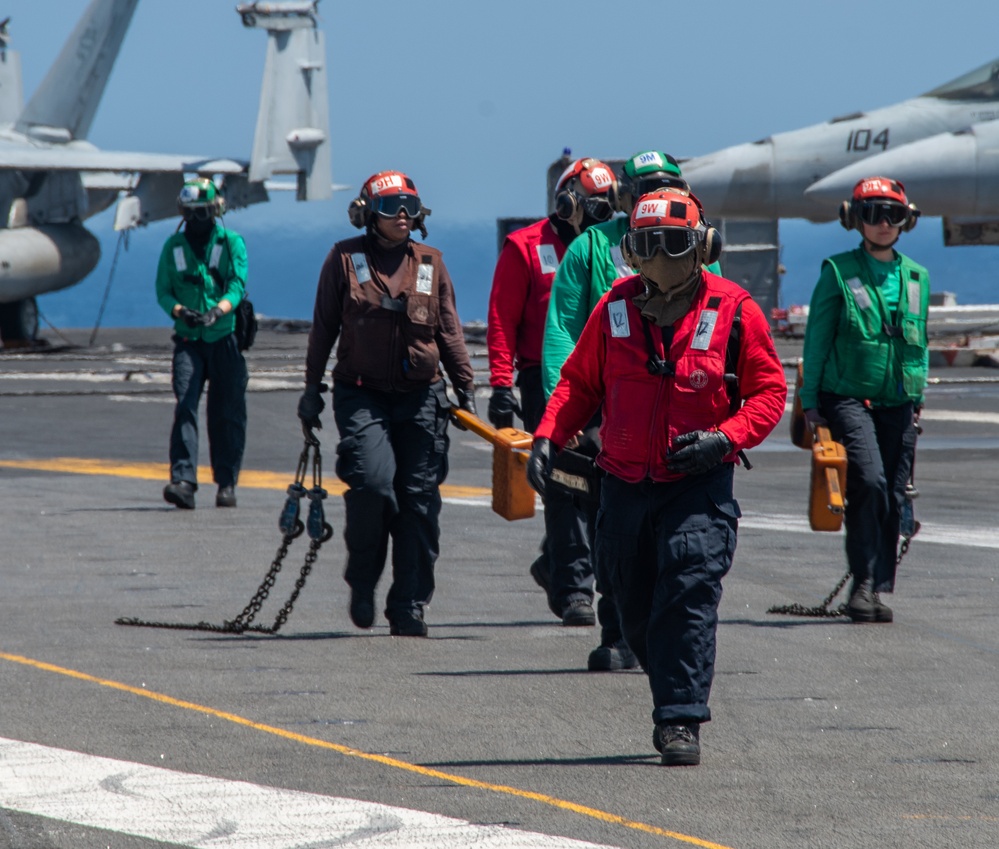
{"points": [[668, 274], [670, 286], [199, 228]]}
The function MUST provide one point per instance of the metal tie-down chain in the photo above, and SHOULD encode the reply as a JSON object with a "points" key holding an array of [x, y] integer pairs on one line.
{"points": [[908, 528], [318, 530]]}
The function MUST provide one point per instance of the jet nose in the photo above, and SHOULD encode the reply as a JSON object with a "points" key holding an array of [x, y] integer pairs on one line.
{"points": [[736, 182], [942, 174]]}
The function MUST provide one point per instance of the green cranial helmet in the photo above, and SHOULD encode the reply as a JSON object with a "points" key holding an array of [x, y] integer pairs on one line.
{"points": [[647, 172], [200, 198]]}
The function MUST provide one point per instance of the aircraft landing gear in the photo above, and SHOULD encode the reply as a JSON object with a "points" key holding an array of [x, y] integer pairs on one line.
{"points": [[19, 323]]}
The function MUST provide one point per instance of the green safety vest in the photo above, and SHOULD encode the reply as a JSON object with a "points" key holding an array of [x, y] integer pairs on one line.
{"points": [[879, 356]]}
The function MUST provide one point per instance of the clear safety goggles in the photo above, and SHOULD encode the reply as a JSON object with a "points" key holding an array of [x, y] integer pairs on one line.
{"points": [[874, 211], [389, 206], [672, 241]]}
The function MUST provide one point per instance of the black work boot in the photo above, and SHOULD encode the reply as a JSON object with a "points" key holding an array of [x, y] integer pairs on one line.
{"points": [[611, 658], [225, 497], [180, 493], [408, 625], [362, 607], [539, 571], [679, 744], [860, 607], [579, 613], [882, 612]]}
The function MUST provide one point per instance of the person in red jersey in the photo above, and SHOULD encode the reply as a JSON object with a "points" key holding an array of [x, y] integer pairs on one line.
{"points": [[683, 362]]}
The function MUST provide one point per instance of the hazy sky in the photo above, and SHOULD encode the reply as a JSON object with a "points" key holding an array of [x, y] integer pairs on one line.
{"points": [[475, 99]]}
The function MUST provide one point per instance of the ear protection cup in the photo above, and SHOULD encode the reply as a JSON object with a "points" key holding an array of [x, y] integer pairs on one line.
{"points": [[357, 212], [626, 254], [846, 216], [565, 205], [712, 245]]}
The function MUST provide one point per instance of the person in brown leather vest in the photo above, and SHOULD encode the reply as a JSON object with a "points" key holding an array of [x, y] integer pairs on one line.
{"points": [[388, 303]]}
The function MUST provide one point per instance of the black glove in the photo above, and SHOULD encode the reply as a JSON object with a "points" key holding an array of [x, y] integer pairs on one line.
{"points": [[502, 406], [310, 405], [466, 402], [698, 452], [192, 318], [210, 317], [813, 418], [539, 466]]}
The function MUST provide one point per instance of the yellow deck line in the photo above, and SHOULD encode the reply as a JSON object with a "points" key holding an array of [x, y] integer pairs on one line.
{"points": [[161, 471], [461, 780]]}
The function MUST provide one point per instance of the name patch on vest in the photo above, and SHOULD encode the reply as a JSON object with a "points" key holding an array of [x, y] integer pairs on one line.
{"points": [[618, 313], [548, 259], [361, 270], [213, 261], [425, 279], [623, 269], [860, 294], [915, 297], [178, 258], [706, 322]]}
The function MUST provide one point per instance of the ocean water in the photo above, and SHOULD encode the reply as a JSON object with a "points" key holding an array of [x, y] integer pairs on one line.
{"points": [[286, 252]]}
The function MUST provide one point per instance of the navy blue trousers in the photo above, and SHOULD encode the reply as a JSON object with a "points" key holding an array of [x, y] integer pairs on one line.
{"points": [[392, 455], [880, 445], [665, 548], [568, 551], [222, 366]]}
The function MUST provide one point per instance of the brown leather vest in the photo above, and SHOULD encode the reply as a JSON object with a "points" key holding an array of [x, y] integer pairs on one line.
{"points": [[389, 343]]}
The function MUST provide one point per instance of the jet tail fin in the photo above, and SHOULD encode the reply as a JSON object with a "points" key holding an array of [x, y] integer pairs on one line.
{"points": [[63, 106], [292, 135], [10, 78]]}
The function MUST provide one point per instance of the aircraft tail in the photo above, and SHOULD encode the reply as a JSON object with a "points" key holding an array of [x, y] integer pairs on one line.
{"points": [[63, 106], [10, 78], [292, 135]]}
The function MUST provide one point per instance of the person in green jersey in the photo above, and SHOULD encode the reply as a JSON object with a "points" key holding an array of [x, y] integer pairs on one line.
{"points": [[865, 364]]}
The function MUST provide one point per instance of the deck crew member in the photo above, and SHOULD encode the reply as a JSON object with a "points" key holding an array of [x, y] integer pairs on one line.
{"points": [[591, 265], [518, 304], [655, 352], [866, 359], [388, 303], [200, 280]]}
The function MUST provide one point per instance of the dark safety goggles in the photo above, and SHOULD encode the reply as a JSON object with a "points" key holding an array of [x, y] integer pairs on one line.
{"points": [[874, 211], [672, 241], [199, 213], [598, 207], [389, 206], [646, 185]]}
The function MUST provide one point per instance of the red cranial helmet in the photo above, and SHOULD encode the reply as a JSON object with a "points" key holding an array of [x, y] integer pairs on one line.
{"points": [[667, 208], [388, 193], [670, 221], [588, 184], [875, 199]]}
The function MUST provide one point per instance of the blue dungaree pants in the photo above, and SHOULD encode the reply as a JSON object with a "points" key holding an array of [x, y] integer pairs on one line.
{"points": [[223, 367], [665, 548], [392, 455]]}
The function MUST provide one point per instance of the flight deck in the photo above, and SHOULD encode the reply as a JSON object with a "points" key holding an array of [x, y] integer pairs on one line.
{"points": [[490, 732]]}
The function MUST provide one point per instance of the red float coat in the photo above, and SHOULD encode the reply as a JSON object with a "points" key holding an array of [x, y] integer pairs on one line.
{"points": [[644, 413], [518, 300]]}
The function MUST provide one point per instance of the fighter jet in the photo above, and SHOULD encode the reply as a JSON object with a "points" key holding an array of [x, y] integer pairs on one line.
{"points": [[770, 179], [951, 175], [51, 178]]}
